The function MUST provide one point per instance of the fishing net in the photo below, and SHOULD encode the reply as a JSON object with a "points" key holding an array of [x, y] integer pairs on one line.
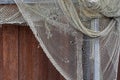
{"points": [[10, 14], [66, 32]]}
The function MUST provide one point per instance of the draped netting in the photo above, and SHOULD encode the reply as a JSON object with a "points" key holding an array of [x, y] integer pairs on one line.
{"points": [[63, 28], [10, 14]]}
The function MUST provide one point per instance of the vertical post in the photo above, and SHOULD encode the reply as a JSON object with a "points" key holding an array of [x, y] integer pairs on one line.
{"points": [[96, 50], [86, 58]]}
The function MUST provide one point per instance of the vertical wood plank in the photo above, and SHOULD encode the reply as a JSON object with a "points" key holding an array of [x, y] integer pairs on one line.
{"points": [[25, 54], [52, 73], [1, 55], [10, 52], [118, 76], [33, 63]]}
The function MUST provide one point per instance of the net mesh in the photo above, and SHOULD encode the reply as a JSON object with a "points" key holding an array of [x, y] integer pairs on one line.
{"points": [[10, 14], [59, 26]]}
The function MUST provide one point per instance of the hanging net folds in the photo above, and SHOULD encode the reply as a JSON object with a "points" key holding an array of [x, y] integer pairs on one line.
{"points": [[10, 14], [64, 29]]}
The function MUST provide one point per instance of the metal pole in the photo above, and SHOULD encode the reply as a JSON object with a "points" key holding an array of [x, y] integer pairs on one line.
{"points": [[96, 50], [92, 48], [86, 58]]}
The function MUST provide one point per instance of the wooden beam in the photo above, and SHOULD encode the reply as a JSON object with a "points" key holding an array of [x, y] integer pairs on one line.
{"points": [[25, 1], [1, 54], [33, 63], [28, 1], [10, 52], [7, 1]]}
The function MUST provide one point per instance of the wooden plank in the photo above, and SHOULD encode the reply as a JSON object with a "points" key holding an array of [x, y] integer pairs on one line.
{"points": [[33, 63], [1, 55], [27, 1], [118, 76], [26, 58], [52, 73], [10, 52], [7, 1]]}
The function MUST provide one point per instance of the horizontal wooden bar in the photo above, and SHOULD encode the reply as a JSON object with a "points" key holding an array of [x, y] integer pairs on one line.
{"points": [[28, 1], [7, 2], [25, 1]]}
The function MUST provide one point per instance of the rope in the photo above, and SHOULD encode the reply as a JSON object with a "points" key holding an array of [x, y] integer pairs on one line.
{"points": [[69, 10]]}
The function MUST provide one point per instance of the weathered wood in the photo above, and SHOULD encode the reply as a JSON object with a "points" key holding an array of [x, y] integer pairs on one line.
{"points": [[10, 52], [118, 78], [1, 58], [33, 63], [27, 1], [7, 1]]}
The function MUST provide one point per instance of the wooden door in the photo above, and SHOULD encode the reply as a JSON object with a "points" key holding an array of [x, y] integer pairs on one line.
{"points": [[119, 71], [21, 57]]}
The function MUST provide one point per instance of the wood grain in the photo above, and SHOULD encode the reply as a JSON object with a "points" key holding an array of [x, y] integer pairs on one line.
{"points": [[31, 59], [1, 55], [10, 52], [33, 63], [118, 78], [21, 57]]}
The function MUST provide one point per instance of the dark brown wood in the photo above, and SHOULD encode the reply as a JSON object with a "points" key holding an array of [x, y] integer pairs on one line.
{"points": [[21, 57], [10, 52], [33, 63], [1, 58], [118, 71]]}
